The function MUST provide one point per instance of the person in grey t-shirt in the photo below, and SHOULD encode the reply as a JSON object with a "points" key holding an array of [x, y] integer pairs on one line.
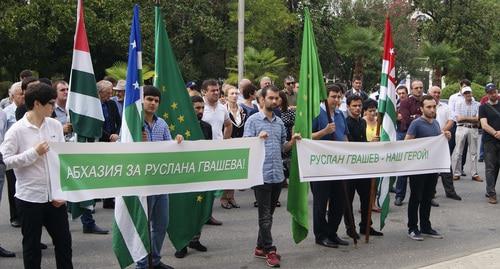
{"points": [[423, 186]]}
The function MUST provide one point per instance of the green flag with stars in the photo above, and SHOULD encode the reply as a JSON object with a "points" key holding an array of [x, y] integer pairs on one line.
{"points": [[188, 211]]}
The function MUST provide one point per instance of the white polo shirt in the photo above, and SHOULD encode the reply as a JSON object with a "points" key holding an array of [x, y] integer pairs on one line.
{"points": [[216, 116], [443, 114], [18, 150]]}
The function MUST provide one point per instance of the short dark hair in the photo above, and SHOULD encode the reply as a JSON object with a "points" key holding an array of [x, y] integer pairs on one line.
{"points": [[465, 82], [46, 81], [333, 88], [369, 103], [356, 77], [26, 81], [402, 87], [272, 88], [424, 98], [40, 92], [248, 90], [284, 101], [111, 79], [25, 73], [354, 97], [150, 90], [197, 99], [209, 82]]}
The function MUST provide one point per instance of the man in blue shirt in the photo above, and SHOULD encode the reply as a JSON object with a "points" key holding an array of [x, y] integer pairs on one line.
{"points": [[329, 125], [268, 126], [156, 129], [423, 186]]}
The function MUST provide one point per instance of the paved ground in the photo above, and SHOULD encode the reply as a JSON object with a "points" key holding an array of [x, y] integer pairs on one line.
{"points": [[470, 226]]}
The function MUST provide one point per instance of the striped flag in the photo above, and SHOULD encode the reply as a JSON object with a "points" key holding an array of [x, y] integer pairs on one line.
{"points": [[84, 106], [387, 108], [130, 227]]}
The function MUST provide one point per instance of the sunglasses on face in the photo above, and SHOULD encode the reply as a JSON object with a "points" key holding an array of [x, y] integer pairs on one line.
{"points": [[290, 83]]}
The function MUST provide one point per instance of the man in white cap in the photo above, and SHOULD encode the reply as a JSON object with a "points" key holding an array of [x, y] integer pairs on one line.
{"points": [[466, 116], [119, 95]]}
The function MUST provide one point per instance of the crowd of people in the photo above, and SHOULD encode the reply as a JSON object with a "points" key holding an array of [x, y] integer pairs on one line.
{"points": [[35, 113]]}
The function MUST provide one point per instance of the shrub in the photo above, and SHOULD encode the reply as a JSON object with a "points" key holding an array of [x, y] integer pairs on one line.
{"points": [[4, 88], [477, 91]]}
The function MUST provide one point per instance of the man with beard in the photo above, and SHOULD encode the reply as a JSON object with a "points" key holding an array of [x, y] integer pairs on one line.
{"points": [[423, 186], [266, 125]]}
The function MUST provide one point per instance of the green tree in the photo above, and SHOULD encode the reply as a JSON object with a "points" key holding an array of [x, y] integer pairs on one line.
{"points": [[362, 44], [119, 71], [439, 57], [258, 64]]}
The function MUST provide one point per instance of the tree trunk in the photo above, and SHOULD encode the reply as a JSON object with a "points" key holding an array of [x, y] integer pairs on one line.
{"points": [[358, 67], [436, 77]]}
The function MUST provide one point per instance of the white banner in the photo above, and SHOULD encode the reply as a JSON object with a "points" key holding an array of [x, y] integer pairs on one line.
{"points": [[84, 171], [331, 160]]}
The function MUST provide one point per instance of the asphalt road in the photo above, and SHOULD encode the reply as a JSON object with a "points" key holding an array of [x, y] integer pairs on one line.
{"points": [[469, 226]]}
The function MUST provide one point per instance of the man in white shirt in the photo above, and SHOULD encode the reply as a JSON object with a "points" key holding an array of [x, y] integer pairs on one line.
{"points": [[444, 118], [17, 100], [24, 149], [467, 118], [217, 116]]}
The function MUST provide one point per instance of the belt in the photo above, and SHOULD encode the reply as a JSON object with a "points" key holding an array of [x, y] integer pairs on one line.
{"points": [[472, 126]]}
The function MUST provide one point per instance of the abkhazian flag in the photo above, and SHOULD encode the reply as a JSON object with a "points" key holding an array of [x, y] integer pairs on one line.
{"points": [[130, 226], [84, 106], [311, 91], [188, 211], [387, 109]]}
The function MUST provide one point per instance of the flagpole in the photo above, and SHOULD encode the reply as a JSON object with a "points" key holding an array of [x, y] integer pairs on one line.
{"points": [[348, 208]]}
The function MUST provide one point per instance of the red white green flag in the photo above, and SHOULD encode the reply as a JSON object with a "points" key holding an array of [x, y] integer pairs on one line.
{"points": [[387, 108], [84, 105]]}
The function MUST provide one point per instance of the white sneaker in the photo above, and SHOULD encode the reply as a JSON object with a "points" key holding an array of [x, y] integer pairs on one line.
{"points": [[415, 235]]}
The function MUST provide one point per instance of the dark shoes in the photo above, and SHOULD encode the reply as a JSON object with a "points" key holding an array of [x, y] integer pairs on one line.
{"points": [[43, 246], [162, 266], [454, 196], [6, 254], [327, 243], [372, 232], [15, 223], [181, 253], [434, 203], [398, 201], [337, 240], [213, 221], [197, 245], [94, 230]]}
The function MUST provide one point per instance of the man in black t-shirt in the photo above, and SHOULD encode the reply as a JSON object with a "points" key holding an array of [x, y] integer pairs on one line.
{"points": [[489, 115]]}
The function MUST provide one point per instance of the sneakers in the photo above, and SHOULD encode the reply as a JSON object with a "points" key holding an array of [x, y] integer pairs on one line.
{"points": [[432, 233], [272, 259], [398, 201], [415, 235]]}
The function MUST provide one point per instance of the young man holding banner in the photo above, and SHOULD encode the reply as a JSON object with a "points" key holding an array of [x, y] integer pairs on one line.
{"points": [[329, 125], [156, 129], [24, 149], [423, 186], [266, 125]]}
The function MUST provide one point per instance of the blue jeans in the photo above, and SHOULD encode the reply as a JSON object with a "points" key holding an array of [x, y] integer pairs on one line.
{"points": [[158, 215], [401, 181]]}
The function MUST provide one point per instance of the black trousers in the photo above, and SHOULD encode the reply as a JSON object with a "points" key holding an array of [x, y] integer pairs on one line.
{"points": [[11, 191], [331, 194], [422, 189], [362, 186], [35, 215], [266, 195]]}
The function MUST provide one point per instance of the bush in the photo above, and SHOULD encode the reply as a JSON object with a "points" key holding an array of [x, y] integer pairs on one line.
{"points": [[477, 91], [4, 88]]}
